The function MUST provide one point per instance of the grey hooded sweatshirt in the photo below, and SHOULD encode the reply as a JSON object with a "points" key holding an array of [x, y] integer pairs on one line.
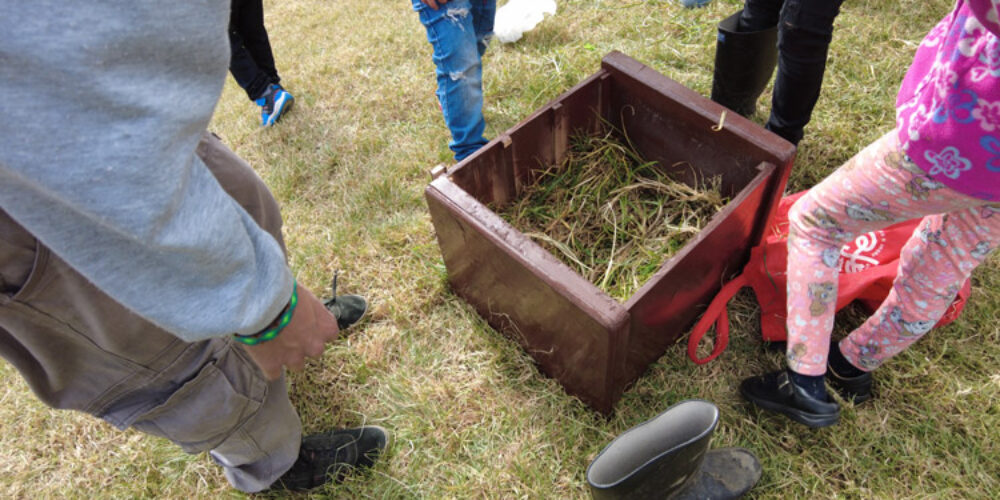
{"points": [[102, 103]]}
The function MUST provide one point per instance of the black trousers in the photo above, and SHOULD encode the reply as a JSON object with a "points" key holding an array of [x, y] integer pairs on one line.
{"points": [[251, 63], [805, 29]]}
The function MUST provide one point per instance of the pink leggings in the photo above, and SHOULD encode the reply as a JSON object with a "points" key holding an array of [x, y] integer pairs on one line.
{"points": [[879, 187]]}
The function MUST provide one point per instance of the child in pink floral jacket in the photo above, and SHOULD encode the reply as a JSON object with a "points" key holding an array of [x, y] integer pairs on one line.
{"points": [[942, 164]]}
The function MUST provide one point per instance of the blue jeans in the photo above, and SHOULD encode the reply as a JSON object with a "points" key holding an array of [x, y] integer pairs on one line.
{"points": [[459, 32]]}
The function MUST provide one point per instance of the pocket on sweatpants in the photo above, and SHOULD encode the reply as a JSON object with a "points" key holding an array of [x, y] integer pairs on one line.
{"points": [[207, 409], [20, 257]]}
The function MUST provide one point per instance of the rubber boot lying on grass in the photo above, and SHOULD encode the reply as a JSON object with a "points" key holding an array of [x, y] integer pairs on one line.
{"points": [[668, 457]]}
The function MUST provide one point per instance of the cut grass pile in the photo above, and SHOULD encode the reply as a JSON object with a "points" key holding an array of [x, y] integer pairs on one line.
{"points": [[611, 215]]}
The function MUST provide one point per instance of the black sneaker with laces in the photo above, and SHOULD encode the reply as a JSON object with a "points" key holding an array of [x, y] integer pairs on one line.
{"points": [[348, 309], [330, 456]]}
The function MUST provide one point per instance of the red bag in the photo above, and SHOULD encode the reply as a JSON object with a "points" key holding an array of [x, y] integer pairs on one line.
{"points": [[868, 268]]}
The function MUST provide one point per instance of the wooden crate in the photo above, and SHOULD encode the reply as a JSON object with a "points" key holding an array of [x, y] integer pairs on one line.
{"points": [[592, 344]]}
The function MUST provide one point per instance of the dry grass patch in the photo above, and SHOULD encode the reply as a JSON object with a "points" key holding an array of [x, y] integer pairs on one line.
{"points": [[611, 215]]}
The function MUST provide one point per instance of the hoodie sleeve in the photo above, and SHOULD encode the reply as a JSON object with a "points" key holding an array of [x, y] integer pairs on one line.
{"points": [[104, 104]]}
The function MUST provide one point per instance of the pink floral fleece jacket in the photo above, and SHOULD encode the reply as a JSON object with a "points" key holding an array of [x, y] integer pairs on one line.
{"points": [[948, 107]]}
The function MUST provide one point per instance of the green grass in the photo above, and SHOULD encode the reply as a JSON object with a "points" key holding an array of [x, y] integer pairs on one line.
{"points": [[472, 416]]}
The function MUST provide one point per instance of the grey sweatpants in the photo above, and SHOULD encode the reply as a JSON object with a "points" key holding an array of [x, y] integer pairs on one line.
{"points": [[78, 349]]}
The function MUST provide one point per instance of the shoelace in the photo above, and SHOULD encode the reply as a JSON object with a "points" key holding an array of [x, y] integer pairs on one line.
{"points": [[268, 101], [333, 291]]}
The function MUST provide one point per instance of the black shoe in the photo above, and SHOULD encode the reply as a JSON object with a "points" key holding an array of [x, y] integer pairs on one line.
{"points": [[854, 389], [332, 455], [778, 393], [348, 309]]}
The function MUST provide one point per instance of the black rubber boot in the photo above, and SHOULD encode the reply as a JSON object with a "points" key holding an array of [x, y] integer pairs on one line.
{"points": [[744, 63], [668, 457]]}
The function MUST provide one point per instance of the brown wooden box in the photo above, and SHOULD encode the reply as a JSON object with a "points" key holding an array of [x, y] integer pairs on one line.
{"points": [[592, 344]]}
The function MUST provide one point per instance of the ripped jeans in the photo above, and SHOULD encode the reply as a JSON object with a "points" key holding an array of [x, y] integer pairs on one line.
{"points": [[459, 32]]}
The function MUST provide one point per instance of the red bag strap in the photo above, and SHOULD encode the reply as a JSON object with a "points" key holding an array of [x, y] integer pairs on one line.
{"points": [[716, 313]]}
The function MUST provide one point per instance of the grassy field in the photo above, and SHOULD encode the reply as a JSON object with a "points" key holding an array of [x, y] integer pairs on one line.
{"points": [[471, 415]]}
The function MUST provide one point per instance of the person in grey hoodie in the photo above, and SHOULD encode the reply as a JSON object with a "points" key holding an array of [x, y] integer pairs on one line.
{"points": [[143, 278]]}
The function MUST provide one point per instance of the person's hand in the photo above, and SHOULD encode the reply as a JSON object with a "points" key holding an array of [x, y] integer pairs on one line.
{"points": [[434, 4], [311, 327]]}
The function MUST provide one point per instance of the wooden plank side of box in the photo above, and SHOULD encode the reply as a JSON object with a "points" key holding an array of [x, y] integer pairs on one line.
{"points": [[670, 302], [675, 125], [498, 171], [577, 334]]}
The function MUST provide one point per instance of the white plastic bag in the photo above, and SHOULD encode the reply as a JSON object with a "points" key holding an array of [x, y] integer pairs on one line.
{"points": [[518, 16]]}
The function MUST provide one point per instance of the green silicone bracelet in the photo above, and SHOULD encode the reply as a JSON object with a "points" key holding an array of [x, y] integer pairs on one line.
{"points": [[283, 321]]}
